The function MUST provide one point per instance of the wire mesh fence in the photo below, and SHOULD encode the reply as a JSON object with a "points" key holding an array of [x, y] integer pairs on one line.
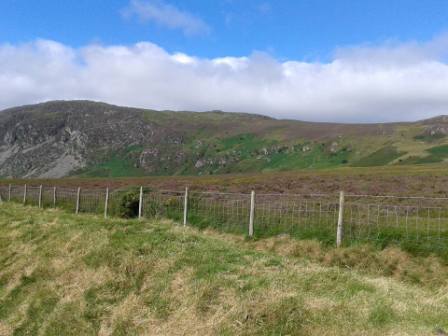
{"points": [[228, 212], [16, 193], [66, 198], [91, 201], [302, 216], [32, 195], [163, 203], [380, 219], [395, 219], [4, 190], [48, 197]]}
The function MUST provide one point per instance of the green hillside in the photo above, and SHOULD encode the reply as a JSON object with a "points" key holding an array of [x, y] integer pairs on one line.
{"points": [[62, 274], [89, 139]]}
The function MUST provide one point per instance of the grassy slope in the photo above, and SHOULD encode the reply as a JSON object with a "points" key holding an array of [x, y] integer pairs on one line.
{"points": [[240, 138], [81, 275], [193, 143], [223, 134], [242, 152]]}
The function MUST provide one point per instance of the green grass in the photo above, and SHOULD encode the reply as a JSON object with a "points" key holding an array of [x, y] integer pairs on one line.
{"points": [[317, 157], [419, 234], [380, 157], [62, 274], [429, 138], [247, 143], [435, 154], [117, 165]]}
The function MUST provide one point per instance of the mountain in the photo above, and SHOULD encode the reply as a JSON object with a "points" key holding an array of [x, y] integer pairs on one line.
{"points": [[84, 138]]}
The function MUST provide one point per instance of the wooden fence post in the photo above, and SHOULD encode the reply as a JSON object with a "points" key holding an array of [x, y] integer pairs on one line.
{"points": [[9, 193], [78, 195], [252, 213], [24, 194], [40, 196], [140, 203], [340, 230], [106, 203], [54, 197], [185, 206]]}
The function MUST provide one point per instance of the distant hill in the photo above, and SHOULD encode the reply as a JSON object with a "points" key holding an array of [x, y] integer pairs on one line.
{"points": [[84, 138]]}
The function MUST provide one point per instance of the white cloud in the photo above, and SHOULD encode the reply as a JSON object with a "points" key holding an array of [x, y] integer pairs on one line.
{"points": [[183, 58], [166, 15], [388, 82]]}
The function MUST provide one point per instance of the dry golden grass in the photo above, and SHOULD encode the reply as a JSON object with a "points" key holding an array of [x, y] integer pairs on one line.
{"points": [[82, 275]]}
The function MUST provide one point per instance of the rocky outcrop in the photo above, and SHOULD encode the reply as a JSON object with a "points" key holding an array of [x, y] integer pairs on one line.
{"points": [[57, 138]]}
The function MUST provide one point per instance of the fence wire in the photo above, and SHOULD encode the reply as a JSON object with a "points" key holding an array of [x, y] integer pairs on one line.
{"points": [[66, 198], [304, 216], [380, 219], [4, 193], [224, 211], [16, 193], [164, 203], [32, 195], [48, 197], [92, 201], [396, 218]]}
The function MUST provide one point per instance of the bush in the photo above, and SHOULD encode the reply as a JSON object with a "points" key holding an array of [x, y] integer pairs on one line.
{"points": [[128, 206]]}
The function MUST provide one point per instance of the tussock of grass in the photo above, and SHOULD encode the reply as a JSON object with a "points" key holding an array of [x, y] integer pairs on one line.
{"points": [[430, 271], [62, 274]]}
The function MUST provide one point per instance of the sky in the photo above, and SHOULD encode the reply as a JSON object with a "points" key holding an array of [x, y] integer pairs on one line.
{"points": [[340, 60]]}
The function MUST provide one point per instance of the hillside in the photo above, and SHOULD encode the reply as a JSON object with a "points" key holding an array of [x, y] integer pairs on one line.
{"points": [[62, 274], [83, 138]]}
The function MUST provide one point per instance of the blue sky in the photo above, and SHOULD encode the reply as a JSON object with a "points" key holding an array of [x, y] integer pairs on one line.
{"points": [[341, 60], [287, 29]]}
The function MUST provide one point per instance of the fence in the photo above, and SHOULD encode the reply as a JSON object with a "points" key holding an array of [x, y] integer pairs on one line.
{"points": [[331, 218]]}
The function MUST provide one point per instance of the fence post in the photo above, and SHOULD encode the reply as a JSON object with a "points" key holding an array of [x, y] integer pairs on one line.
{"points": [[9, 193], [340, 230], [252, 213], [78, 195], [24, 195], [140, 203], [54, 197], [185, 206], [106, 203], [40, 196]]}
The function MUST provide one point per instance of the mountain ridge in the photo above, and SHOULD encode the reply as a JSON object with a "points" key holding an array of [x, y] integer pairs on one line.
{"points": [[86, 138], [437, 118]]}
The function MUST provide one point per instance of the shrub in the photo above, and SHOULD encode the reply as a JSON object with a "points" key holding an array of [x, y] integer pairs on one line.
{"points": [[128, 205]]}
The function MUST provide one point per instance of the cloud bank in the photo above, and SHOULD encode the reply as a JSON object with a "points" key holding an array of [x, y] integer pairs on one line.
{"points": [[390, 82]]}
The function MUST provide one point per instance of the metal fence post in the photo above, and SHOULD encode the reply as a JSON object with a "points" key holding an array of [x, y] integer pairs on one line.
{"points": [[140, 203], [9, 193], [78, 195], [185, 206], [40, 196], [54, 197], [340, 230], [252, 213], [24, 194], [106, 203]]}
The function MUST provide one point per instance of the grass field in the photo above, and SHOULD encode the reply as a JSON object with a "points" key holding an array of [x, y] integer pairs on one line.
{"points": [[62, 274]]}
